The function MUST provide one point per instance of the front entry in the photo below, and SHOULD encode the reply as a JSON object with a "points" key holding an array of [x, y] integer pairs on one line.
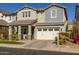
{"points": [[24, 31]]}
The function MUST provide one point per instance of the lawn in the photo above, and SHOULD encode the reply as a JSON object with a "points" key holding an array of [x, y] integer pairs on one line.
{"points": [[9, 42]]}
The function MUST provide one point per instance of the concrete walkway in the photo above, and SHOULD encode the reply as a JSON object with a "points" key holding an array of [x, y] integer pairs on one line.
{"points": [[42, 45]]}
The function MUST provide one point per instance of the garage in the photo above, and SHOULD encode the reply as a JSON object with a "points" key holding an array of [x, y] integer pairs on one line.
{"points": [[47, 33]]}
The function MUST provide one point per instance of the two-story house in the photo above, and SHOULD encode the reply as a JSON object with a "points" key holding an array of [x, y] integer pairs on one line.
{"points": [[40, 24], [32, 23]]}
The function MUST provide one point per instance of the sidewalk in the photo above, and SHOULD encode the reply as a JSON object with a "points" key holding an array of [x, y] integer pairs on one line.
{"points": [[42, 45]]}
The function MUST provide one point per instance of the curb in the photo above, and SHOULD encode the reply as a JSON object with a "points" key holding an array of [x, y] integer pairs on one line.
{"points": [[58, 49]]}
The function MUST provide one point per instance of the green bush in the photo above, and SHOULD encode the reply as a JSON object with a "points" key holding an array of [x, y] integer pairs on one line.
{"points": [[62, 39]]}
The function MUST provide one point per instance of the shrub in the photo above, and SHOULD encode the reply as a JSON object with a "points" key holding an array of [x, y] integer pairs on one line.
{"points": [[62, 39]]}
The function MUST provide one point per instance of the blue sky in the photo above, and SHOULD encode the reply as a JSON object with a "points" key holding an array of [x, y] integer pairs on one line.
{"points": [[14, 6]]}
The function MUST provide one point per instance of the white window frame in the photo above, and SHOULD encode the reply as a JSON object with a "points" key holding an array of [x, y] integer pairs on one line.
{"points": [[56, 29], [50, 30], [39, 28], [55, 13], [45, 30], [26, 14]]}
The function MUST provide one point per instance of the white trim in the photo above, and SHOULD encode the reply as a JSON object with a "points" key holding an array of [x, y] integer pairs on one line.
{"points": [[25, 14], [55, 13]]}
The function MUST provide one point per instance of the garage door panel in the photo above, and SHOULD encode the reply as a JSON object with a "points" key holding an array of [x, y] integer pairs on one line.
{"points": [[47, 35]]}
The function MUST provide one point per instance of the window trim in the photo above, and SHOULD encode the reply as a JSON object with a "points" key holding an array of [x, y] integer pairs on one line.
{"points": [[10, 18], [51, 29], [26, 14], [44, 28], [56, 29], [55, 13], [29, 13], [39, 28], [23, 14]]}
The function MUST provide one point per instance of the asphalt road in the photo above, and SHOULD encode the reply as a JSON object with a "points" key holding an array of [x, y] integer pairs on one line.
{"points": [[17, 51]]}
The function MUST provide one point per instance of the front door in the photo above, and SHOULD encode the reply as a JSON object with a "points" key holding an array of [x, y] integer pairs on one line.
{"points": [[24, 32]]}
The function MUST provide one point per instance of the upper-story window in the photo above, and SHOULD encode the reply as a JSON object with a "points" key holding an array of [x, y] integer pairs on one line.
{"points": [[10, 17], [26, 14], [54, 13], [2, 16], [23, 14]]}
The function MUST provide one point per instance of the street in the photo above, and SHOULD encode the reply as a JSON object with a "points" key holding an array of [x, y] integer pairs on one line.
{"points": [[17, 51]]}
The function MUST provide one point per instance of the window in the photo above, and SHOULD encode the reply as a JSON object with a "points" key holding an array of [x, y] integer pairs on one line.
{"points": [[50, 29], [39, 29], [29, 13], [44, 29], [26, 14], [56, 29], [2, 16], [10, 17], [53, 13], [23, 14]]}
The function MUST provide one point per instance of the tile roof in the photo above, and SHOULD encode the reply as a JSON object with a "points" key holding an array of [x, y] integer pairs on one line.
{"points": [[3, 23], [4, 11], [25, 6], [50, 24], [23, 22]]}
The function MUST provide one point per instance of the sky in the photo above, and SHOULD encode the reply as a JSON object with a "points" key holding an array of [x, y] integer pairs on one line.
{"points": [[12, 7]]}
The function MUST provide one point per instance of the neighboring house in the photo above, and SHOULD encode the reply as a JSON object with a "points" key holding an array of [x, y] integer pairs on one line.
{"points": [[5, 18], [40, 24], [76, 14], [70, 27], [76, 20], [3, 29]]}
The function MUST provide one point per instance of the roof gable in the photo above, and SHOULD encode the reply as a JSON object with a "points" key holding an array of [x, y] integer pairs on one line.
{"points": [[26, 7], [4, 12], [51, 5], [3, 23]]}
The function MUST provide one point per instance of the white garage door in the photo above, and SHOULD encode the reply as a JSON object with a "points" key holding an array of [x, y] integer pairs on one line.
{"points": [[47, 33]]}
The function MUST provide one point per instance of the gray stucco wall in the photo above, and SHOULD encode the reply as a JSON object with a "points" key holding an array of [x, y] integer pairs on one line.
{"points": [[59, 17]]}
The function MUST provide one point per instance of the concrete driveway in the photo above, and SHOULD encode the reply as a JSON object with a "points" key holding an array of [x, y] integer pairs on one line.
{"points": [[43, 45]]}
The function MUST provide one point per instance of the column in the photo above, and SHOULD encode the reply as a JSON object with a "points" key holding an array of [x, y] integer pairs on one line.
{"points": [[60, 29], [29, 32], [10, 32], [19, 32], [35, 34]]}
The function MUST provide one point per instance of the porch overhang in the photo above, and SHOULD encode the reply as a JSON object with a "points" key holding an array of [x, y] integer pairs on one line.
{"points": [[50, 24], [3, 23], [22, 22]]}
